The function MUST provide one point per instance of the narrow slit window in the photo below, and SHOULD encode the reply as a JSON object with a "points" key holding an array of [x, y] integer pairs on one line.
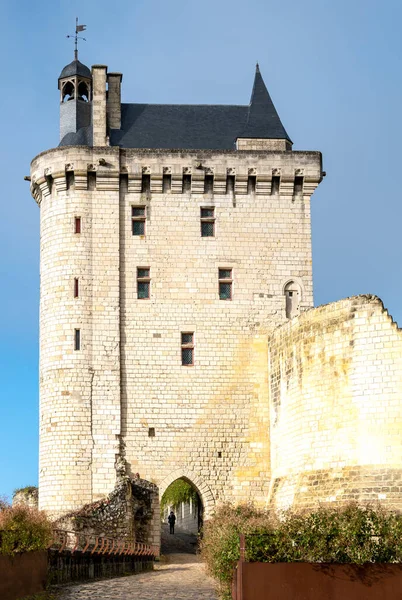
{"points": [[225, 284], [186, 183], [143, 283], [209, 184], [187, 349], [208, 222], [151, 432], [77, 225], [138, 218], [77, 339], [76, 287], [251, 184], [166, 183], [275, 184]]}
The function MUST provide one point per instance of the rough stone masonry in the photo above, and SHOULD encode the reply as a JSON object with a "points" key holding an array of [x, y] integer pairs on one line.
{"points": [[177, 331]]}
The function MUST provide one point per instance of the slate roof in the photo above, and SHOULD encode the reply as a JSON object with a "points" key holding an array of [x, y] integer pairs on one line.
{"points": [[75, 68], [83, 137], [195, 126]]}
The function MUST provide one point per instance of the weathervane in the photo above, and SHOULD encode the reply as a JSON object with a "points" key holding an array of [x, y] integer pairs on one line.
{"points": [[76, 37]]}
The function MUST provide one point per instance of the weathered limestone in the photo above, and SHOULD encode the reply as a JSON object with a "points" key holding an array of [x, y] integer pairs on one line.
{"points": [[336, 406], [98, 404]]}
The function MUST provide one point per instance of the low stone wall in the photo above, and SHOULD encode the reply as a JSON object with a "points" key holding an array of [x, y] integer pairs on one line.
{"points": [[66, 566], [130, 512], [22, 575]]}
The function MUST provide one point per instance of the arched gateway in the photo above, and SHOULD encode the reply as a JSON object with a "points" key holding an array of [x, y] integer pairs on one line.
{"points": [[203, 490]]}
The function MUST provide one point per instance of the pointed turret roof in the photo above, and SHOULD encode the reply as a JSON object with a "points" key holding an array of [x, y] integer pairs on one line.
{"points": [[262, 120]]}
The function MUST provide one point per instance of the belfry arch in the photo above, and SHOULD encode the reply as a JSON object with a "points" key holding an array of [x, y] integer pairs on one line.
{"points": [[202, 489]]}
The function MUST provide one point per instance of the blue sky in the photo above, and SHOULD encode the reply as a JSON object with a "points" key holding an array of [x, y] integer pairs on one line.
{"points": [[334, 72]]}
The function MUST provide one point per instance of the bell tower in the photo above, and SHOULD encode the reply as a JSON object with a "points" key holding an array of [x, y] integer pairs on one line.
{"points": [[75, 85]]}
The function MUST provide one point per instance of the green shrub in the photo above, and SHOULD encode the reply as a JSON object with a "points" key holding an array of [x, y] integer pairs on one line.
{"points": [[349, 534], [23, 529], [177, 492]]}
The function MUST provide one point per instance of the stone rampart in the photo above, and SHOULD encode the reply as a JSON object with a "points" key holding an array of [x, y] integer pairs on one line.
{"points": [[336, 406]]}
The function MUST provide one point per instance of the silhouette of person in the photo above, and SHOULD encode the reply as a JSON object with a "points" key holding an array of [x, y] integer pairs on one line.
{"points": [[171, 521]]}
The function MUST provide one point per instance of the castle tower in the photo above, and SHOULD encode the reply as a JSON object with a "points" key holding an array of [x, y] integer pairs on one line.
{"points": [[172, 239]]}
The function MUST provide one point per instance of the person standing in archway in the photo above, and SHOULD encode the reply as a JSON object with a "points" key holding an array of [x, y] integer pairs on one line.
{"points": [[171, 521]]}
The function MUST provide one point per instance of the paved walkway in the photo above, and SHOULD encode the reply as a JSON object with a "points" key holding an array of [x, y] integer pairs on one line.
{"points": [[182, 577]]}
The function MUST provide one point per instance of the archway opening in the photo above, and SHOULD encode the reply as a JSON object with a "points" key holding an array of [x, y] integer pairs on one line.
{"points": [[83, 91], [182, 512], [68, 91]]}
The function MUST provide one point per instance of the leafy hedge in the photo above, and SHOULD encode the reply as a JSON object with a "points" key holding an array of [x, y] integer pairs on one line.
{"points": [[23, 529], [349, 534], [177, 492]]}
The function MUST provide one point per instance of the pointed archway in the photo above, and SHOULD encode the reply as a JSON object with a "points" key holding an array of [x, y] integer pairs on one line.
{"points": [[203, 490]]}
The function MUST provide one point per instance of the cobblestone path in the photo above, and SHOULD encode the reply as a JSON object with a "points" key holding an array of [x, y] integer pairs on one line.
{"points": [[182, 577]]}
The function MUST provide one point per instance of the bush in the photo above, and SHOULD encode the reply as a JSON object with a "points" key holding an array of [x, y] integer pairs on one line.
{"points": [[23, 529], [349, 534]]}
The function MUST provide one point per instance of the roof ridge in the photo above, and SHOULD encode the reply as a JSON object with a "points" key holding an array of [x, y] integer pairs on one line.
{"points": [[187, 104]]}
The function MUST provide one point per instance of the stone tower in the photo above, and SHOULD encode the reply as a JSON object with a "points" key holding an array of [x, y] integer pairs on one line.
{"points": [[174, 240]]}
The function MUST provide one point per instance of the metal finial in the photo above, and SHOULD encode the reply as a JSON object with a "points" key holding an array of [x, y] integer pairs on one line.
{"points": [[76, 37]]}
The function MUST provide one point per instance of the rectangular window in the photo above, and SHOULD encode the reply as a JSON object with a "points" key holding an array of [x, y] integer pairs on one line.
{"points": [[143, 283], [208, 222], [76, 287], [187, 349], [77, 339], [225, 284], [138, 218], [77, 226]]}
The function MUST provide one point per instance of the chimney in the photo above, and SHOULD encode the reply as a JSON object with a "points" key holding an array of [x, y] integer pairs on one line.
{"points": [[114, 100], [99, 104]]}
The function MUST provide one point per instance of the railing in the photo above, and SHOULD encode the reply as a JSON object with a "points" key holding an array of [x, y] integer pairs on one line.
{"points": [[72, 541]]}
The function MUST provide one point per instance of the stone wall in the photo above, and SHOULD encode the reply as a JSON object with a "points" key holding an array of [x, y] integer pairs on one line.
{"points": [[27, 496], [130, 511], [100, 404], [336, 406]]}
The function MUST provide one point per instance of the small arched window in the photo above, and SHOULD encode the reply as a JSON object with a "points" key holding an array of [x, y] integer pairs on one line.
{"points": [[68, 92], [292, 298], [83, 91]]}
